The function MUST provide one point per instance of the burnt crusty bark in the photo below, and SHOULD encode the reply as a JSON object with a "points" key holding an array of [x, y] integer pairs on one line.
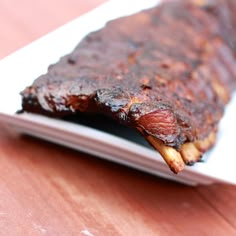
{"points": [[167, 71]]}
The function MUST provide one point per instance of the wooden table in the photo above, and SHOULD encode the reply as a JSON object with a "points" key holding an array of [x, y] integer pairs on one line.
{"points": [[46, 189]]}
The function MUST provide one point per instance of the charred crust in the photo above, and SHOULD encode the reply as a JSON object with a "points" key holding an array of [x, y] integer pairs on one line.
{"points": [[149, 79]]}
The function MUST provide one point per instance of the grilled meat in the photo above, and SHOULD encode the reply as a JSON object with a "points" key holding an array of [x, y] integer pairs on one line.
{"points": [[167, 71]]}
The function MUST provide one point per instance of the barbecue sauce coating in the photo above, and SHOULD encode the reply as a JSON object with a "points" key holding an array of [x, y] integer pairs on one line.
{"points": [[167, 71]]}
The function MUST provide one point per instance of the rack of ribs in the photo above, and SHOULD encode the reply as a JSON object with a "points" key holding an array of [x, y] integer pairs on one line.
{"points": [[167, 71]]}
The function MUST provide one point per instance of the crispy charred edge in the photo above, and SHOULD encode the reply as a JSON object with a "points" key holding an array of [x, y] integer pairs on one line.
{"points": [[188, 154], [176, 157], [30, 103], [47, 106]]}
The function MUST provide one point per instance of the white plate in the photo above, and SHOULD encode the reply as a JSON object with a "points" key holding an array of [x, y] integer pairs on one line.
{"points": [[20, 69]]}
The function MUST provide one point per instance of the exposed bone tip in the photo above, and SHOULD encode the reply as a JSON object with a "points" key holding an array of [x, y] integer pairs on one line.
{"points": [[190, 153], [176, 166], [208, 142], [171, 156]]}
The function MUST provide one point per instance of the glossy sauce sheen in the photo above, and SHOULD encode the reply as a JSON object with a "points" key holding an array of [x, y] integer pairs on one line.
{"points": [[167, 71]]}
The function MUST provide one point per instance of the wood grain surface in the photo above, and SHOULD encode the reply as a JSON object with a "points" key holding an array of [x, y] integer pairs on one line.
{"points": [[46, 189]]}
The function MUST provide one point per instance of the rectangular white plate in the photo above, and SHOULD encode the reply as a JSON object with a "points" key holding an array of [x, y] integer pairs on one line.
{"points": [[20, 69]]}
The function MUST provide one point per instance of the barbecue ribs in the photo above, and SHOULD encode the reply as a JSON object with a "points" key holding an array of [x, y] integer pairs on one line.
{"points": [[167, 72]]}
